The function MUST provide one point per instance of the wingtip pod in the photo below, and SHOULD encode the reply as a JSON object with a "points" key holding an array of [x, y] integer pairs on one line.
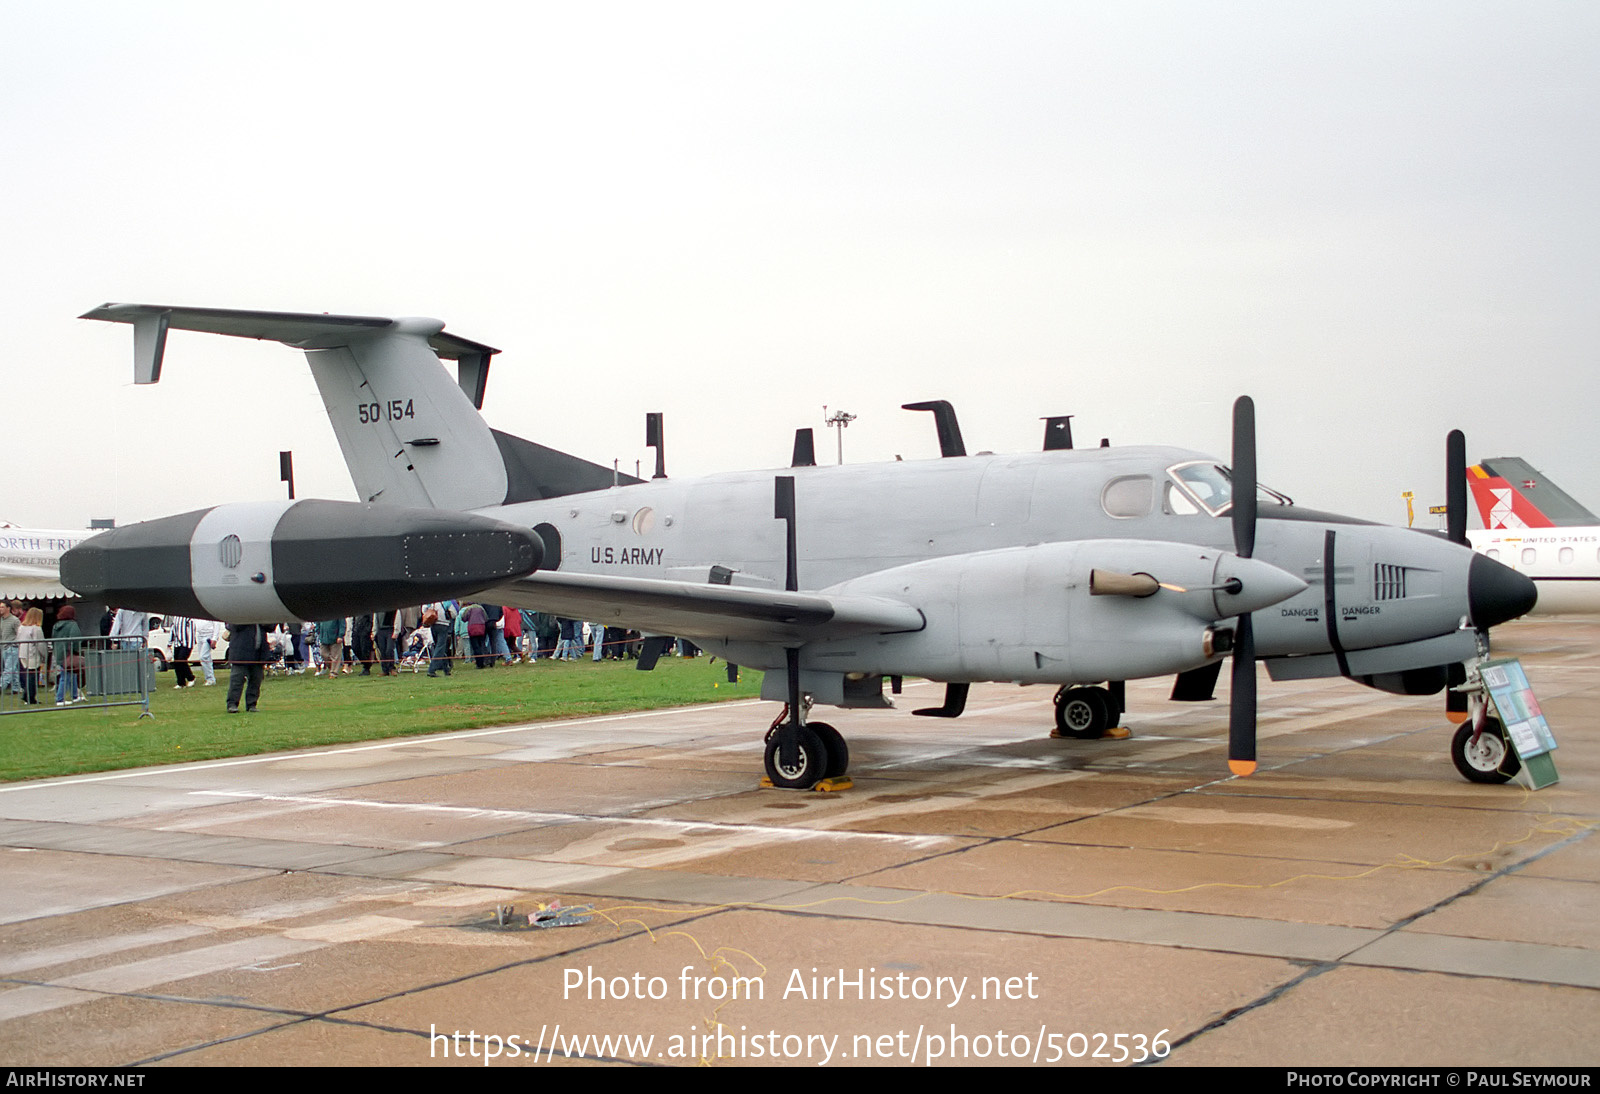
{"points": [[261, 562]]}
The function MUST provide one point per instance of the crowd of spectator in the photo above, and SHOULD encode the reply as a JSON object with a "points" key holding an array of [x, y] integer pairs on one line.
{"points": [[436, 638]]}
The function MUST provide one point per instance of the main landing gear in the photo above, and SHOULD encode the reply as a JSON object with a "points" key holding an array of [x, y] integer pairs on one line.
{"points": [[1088, 713], [823, 757]]}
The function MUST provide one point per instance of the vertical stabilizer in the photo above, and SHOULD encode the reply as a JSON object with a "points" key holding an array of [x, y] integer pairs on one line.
{"points": [[1512, 493], [410, 434]]}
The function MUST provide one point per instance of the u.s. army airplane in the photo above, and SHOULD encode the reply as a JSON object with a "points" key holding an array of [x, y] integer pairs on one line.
{"points": [[1078, 568]]}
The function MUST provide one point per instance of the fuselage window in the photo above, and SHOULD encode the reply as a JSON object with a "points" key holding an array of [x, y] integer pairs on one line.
{"points": [[1129, 496], [1566, 556], [1493, 552], [1529, 556]]}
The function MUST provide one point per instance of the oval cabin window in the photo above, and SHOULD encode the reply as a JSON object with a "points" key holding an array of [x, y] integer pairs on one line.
{"points": [[1129, 496]]}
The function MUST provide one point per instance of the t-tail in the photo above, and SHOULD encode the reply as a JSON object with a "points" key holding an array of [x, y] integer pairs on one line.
{"points": [[411, 436], [1511, 493]]}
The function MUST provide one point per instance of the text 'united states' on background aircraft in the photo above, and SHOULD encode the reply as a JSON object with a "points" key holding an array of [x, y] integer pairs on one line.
{"points": [[1081, 568], [1536, 528]]}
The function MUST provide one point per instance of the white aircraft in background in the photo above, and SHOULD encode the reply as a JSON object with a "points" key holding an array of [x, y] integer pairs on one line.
{"points": [[1535, 527]]}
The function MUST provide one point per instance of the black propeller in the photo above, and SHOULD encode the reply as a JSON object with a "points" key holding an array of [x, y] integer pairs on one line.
{"points": [[1455, 486], [1242, 700], [1455, 499]]}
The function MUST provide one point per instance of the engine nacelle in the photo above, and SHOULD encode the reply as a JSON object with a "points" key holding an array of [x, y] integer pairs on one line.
{"points": [[1028, 614], [266, 562]]}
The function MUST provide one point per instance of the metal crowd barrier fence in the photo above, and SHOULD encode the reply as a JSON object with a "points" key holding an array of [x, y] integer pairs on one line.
{"points": [[105, 672]]}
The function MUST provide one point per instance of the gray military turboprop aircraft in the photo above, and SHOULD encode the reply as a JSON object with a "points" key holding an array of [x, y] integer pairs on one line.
{"points": [[1070, 567]]}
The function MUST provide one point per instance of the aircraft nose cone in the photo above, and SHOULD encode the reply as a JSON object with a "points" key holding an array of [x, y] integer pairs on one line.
{"points": [[1496, 593]]}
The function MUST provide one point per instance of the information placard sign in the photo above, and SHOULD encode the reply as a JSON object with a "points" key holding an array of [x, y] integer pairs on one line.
{"points": [[1518, 710]]}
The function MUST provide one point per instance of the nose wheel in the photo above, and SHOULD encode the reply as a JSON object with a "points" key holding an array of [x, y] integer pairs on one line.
{"points": [[1487, 759]]}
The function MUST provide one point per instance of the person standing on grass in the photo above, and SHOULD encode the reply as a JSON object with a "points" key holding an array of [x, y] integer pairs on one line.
{"points": [[361, 642], [181, 628], [383, 635], [206, 633], [248, 651], [441, 623], [66, 641], [330, 639], [10, 660], [32, 650]]}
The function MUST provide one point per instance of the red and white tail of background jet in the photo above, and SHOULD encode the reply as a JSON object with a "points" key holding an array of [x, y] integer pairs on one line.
{"points": [[1500, 504], [1512, 493]]}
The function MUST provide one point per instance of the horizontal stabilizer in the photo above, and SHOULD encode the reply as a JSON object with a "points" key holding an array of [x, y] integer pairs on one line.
{"points": [[302, 330]]}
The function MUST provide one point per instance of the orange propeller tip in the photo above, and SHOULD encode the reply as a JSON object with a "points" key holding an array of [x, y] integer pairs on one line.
{"points": [[1242, 767], [1456, 717]]}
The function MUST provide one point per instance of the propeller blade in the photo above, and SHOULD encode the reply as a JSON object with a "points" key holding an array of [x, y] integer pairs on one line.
{"points": [[1242, 697], [1242, 701], [1244, 476], [1455, 500], [1455, 486]]}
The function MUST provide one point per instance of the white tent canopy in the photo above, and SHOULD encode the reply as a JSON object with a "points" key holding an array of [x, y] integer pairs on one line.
{"points": [[30, 561]]}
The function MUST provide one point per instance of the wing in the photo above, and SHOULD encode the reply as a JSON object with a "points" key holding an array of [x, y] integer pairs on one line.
{"points": [[692, 610]]}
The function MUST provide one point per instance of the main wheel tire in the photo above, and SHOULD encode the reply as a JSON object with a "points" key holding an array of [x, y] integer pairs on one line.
{"points": [[1488, 761], [1082, 713], [811, 762], [833, 744]]}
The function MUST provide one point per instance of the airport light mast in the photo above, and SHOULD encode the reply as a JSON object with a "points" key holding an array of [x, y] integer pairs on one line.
{"points": [[838, 420]]}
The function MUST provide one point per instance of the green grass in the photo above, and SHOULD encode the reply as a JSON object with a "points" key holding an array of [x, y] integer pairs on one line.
{"points": [[306, 711]]}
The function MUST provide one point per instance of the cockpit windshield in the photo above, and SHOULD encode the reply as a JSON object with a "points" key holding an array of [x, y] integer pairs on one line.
{"points": [[1210, 485]]}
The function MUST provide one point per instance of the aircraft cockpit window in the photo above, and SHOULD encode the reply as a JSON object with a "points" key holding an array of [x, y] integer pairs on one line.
{"points": [[1211, 485], [1128, 496], [1176, 502], [1206, 483]]}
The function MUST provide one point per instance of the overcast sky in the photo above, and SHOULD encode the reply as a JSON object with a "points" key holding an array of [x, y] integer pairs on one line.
{"points": [[1380, 219]]}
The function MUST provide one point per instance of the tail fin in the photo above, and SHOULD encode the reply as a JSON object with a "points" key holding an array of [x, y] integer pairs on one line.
{"points": [[1511, 493], [409, 436]]}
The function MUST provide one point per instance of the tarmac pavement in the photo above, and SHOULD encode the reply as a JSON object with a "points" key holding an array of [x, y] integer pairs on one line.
{"points": [[983, 894]]}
